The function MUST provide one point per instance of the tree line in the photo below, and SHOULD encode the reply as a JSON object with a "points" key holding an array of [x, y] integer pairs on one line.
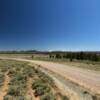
{"points": [[92, 56]]}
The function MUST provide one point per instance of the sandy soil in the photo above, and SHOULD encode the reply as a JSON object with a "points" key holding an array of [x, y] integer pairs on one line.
{"points": [[68, 88], [4, 88], [30, 91], [85, 78]]}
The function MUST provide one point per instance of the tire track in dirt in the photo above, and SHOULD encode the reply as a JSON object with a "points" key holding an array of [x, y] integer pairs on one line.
{"points": [[5, 87], [30, 92]]}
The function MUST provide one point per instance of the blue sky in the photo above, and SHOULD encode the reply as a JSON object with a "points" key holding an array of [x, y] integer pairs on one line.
{"points": [[50, 24]]}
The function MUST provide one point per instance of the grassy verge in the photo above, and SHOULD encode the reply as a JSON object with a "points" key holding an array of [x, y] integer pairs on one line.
{"points": [[76, 63]]}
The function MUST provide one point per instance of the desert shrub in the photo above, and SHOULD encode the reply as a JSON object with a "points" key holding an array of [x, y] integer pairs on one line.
{"points": [[65, 98], [39, 91], [20, 98], [19, 74], [4, 69], [8, 97], [45, 78], [40, 88], [30, 72], [17, 85], [36, 84], [20, 77], [62, 97], [18, 69], [48, 96], [21, 84], [1, 79], [95, 98], [12, 72], [39, 83], [15, 91]]}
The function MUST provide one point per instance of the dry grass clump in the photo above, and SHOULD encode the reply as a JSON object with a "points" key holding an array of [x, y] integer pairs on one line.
{"points": [[42, 85]]}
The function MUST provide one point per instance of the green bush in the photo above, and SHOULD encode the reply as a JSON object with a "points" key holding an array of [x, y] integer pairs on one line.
{"points": [[15, 91], [17, 85], [19, 74], [39, 91], [30, 72], [8, 97], [12, 72], [40, 88], [45, 78], [47, 97]]}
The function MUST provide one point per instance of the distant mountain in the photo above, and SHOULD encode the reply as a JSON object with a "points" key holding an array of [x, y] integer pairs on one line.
{"points": [[44, 52]]}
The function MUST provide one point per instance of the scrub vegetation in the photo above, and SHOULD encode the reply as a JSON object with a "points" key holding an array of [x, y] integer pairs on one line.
{"points": [[25, 82]]}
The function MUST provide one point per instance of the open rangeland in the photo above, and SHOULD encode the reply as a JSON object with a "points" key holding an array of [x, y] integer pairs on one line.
{"points": [[20, 81], [81, 84]]}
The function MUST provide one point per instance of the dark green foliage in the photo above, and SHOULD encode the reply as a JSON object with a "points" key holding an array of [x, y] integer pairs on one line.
{"points": [[95, 58], [58, 56], [92, 56], [51, 56], [32, 56], [71, 58]]}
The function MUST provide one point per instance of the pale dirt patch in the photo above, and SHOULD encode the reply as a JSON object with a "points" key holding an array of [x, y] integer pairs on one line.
{"points": [[30, 92], [5, 87]]}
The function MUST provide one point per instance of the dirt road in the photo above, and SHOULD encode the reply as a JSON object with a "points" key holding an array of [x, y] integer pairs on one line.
{"points": [[85, 78]]}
